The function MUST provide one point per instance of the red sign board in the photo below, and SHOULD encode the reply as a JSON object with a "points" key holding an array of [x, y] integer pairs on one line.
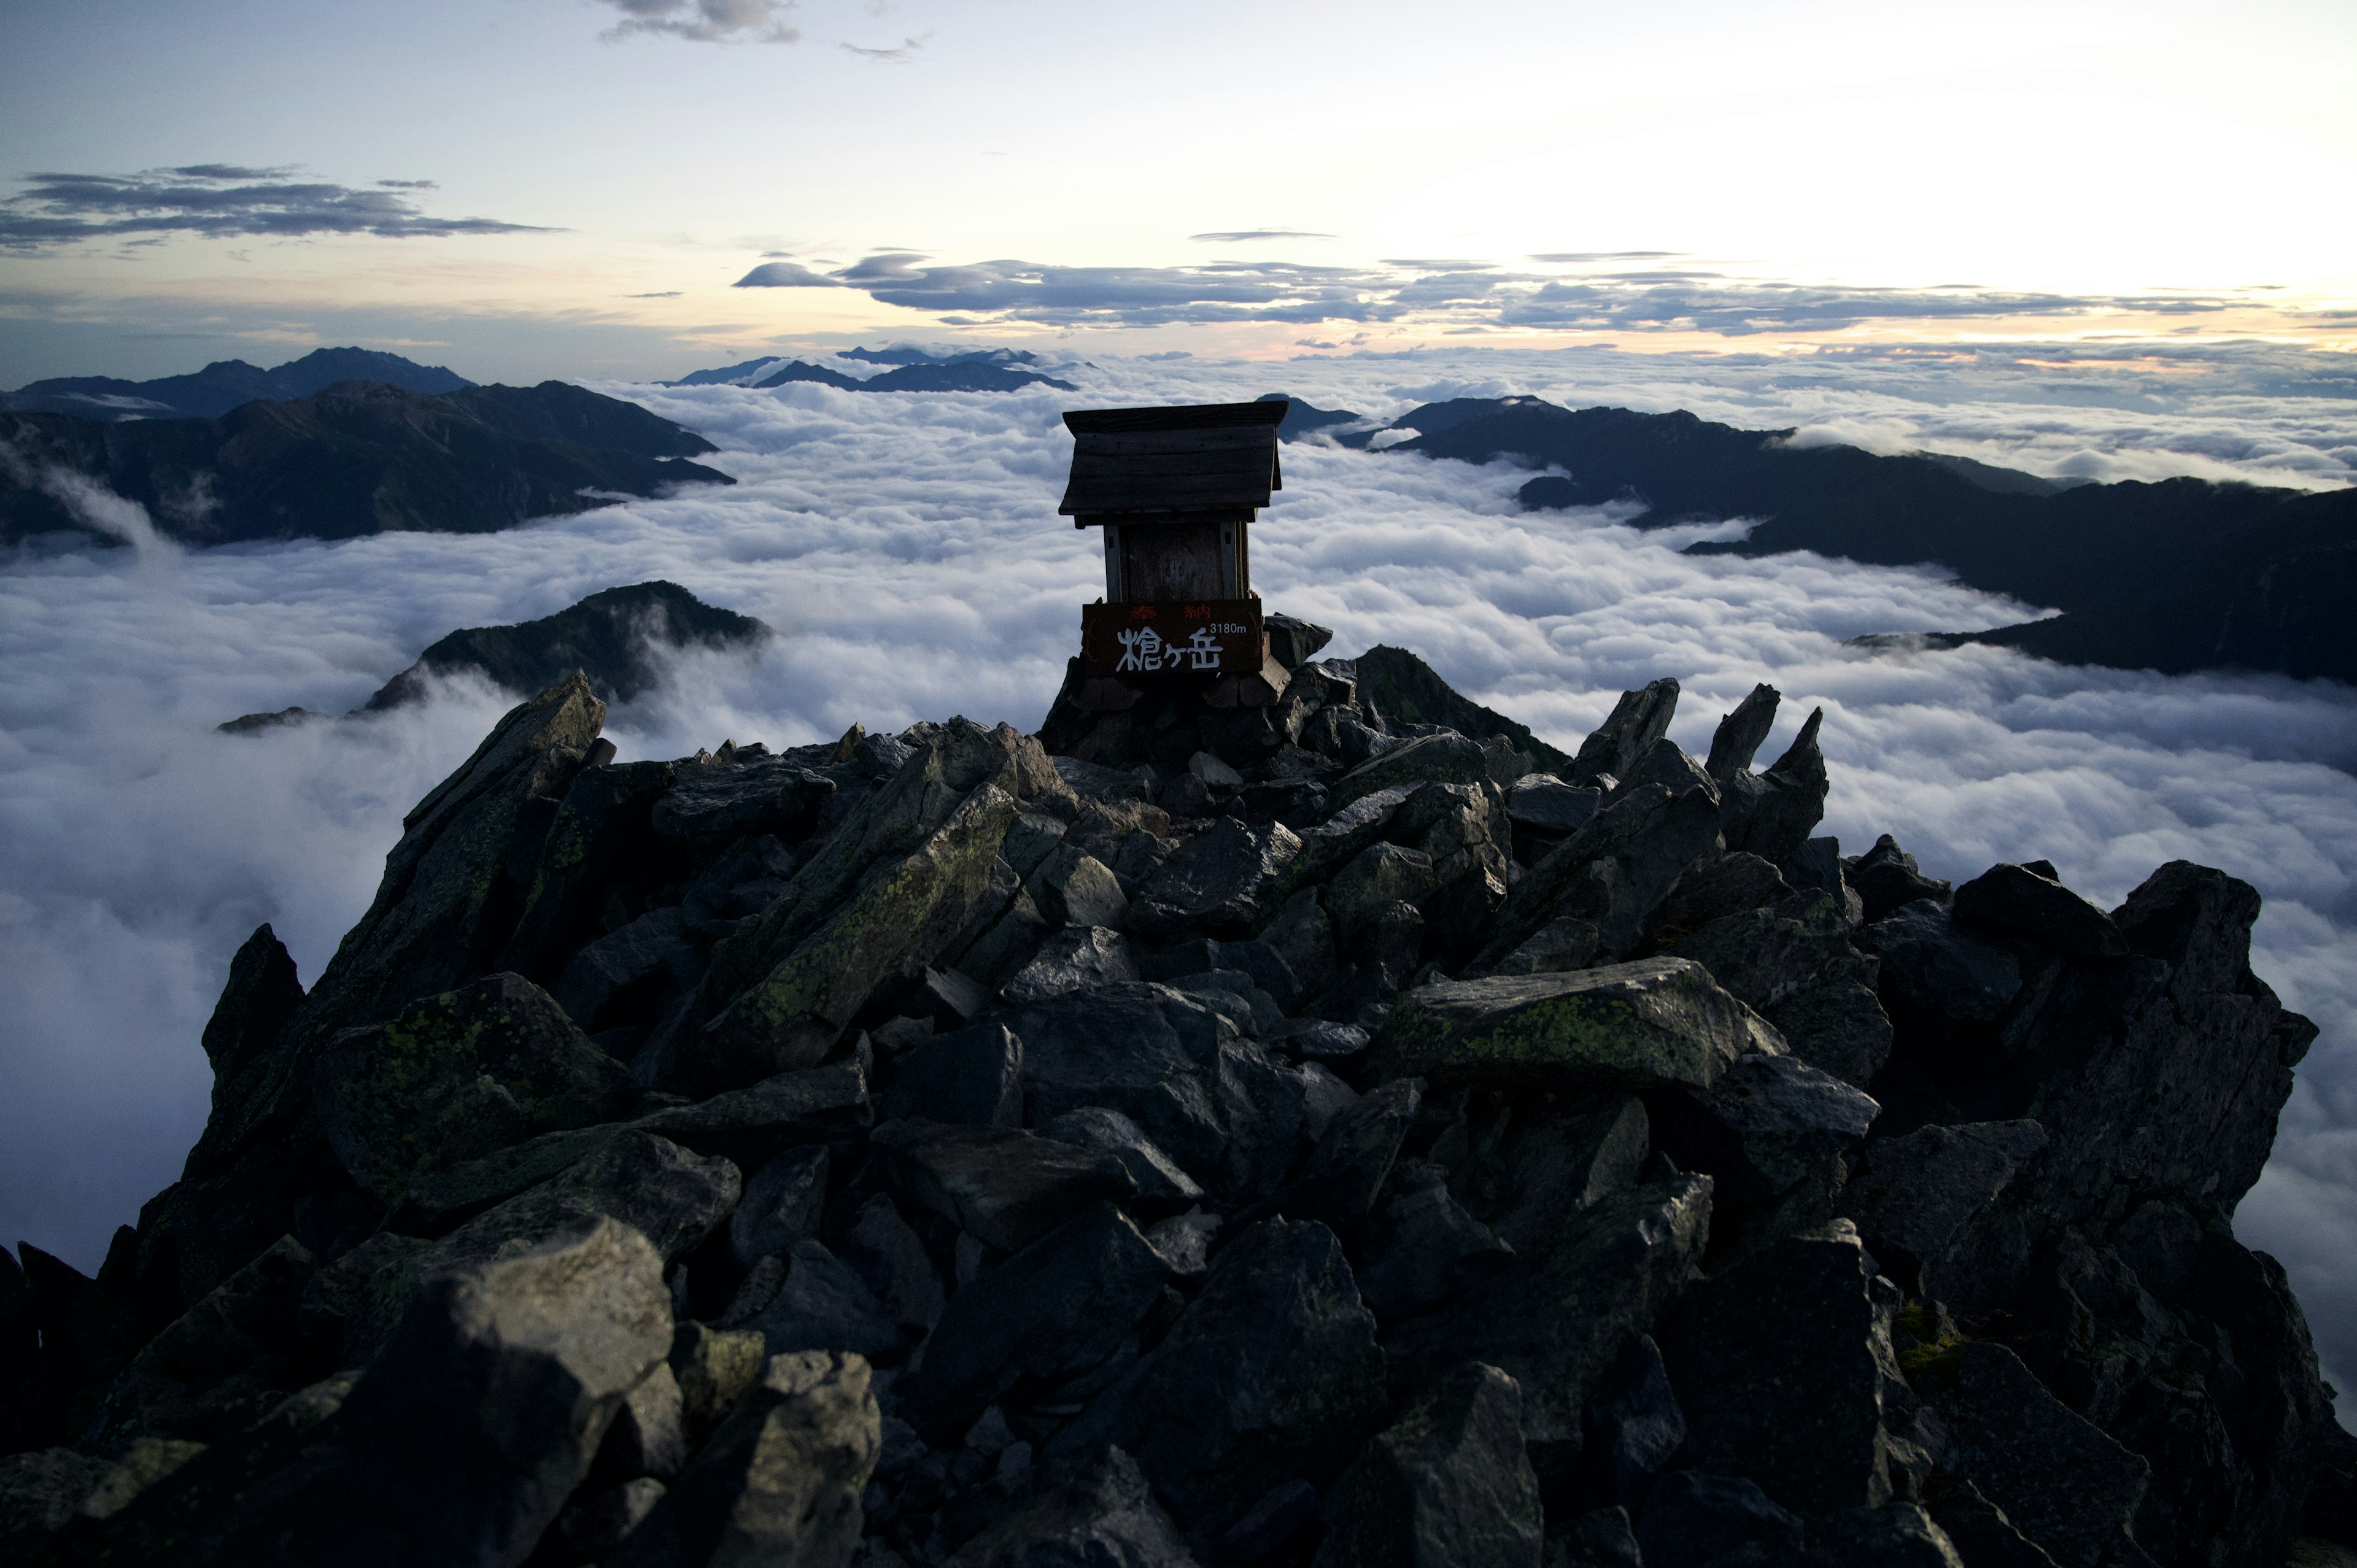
{"points": [[1205, 637]]}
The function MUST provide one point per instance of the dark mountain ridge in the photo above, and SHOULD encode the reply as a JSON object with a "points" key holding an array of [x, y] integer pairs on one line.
{"points": [[1198, 1136], [360, 458], [962, 374], [224, 384], [614, 636], [2177, 575]]}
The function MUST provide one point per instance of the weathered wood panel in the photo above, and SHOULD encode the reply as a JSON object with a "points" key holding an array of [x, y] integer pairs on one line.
{"points": [[1185, 561]]}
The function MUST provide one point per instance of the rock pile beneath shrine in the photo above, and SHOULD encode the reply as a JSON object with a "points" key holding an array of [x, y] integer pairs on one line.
{"points": [[1293, 1133]]}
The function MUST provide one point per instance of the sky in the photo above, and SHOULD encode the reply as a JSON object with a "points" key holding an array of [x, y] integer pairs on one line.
{"points": [[534, 187], [2091, 241]]}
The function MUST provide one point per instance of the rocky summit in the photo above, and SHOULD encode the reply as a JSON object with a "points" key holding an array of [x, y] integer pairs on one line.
{"points": [[1303, 1134]]}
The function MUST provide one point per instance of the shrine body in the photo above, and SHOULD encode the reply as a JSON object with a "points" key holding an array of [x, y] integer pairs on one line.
{"points": [[1176, 491]]}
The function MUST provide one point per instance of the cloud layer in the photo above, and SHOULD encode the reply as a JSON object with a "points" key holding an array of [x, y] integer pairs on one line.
{"points": [[907, 548], [1604, 294], [705, 21], [219, 199]]}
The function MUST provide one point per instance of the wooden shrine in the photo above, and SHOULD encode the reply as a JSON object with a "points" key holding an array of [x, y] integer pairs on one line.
{"points": [[1176, 490]]}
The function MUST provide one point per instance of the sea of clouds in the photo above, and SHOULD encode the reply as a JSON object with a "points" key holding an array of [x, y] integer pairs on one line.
{"points": [[907, 549]]}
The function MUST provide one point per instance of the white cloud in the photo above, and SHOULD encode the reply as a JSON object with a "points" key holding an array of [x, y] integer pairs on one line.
{"points": [[706, 21], [908, 549]]}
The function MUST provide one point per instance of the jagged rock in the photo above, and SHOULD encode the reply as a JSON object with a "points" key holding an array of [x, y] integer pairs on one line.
{"points": [[1773, 815], [1888, 878], [1895, 1535], [1555, 1162], [1780, 1366], [1634, 1424], [666, 1195], [461, 1441], [1070, 960], [1294, 642], [47, 1491], [1695, 1518], [221, 1365], [1638, 720], [1048, 1314], [1767, 956], [1422, 1245], [1338, 1184], [815, 1302], [1652, 1023], [1836, 1024], [262, 994], [1766, 1124], [1303, 937], [2017, 900], [1980, 1532], [1259, 1009], [1097, 1510], [750, 1125], [456, 1076], [1600, 1538], [1172, 1064], [714, 805], [781, 1205], [1216, 883], [891, 1258], [1665, 763], [648, 1436], [1405, 690], [656, 944], [1613, 872], [780, 1480], [1072, 887], [2062, 1483], [1556, 1318], [1000, 1185], [895, 884], [1255, 957], [974, 1075], [1543, 804], [1915, 1196], [1741, 733], [1447, 757], [1183, 1242], [1448, 1484], [1931, 963], [1160, 1183], [599, 1527], [1270, 1374], [1382, 874], [1816, 868], [1320, 1039], [1324, 1096], [1108, 783], [713, 1368]]}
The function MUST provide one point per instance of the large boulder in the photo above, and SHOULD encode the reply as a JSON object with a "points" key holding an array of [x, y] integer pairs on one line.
{"points": [[1562, 1314], [1050, 1314], [973, 1074], [1270, 1374], [780, 1480], [461, 1441], [1447, 1485], [1173, 1063], [1217, 884], [897, 882], [1096, 1509], [1002, 1185], [454, 1077], [1610, 876], [1780, 1367], [1446, 757], [1652, 1023]]}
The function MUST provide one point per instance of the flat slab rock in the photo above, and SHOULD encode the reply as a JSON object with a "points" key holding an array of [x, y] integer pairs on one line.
{"points": [[1652, 1023]]}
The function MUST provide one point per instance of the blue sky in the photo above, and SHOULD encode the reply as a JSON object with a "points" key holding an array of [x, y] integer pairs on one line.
{"points": [[597, 175]]}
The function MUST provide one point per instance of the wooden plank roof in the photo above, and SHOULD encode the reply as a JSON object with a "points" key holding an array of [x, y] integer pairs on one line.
{"points": [[1201, 458]]}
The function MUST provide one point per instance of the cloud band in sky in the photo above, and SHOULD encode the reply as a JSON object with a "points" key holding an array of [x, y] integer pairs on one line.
{"points": [[217, 199], [1467, 295]]}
